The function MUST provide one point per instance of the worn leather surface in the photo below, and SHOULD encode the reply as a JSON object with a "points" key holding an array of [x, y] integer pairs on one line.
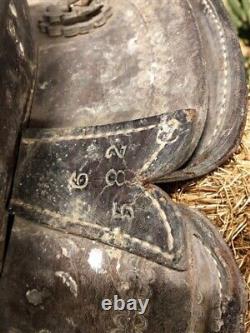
{"points": [[226, 88], [17, 67], [157, 94], [69, 277], [138, 70]]}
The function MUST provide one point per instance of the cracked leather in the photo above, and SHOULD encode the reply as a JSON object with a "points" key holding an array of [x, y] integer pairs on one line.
{"points": [[157, 94]]}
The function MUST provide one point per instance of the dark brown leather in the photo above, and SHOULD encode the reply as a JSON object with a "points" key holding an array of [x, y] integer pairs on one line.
{"points": [[156, 94], [17, 72]]}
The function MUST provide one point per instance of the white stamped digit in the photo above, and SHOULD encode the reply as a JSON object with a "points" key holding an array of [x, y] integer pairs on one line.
{"points": [[116, 151], [124, 212], [115, 177], [78, 181]]}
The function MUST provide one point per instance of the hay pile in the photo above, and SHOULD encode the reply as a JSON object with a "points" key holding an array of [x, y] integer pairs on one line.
{"points": [[224, 196]]}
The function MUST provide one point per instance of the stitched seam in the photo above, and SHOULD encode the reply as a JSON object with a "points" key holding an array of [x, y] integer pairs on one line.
{"points": [[88, 136], [210, 11], [164, 218], [155, 249], [219, 320]]}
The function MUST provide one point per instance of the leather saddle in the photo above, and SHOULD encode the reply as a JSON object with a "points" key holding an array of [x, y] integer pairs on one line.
{"points": [[100, 101]]}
